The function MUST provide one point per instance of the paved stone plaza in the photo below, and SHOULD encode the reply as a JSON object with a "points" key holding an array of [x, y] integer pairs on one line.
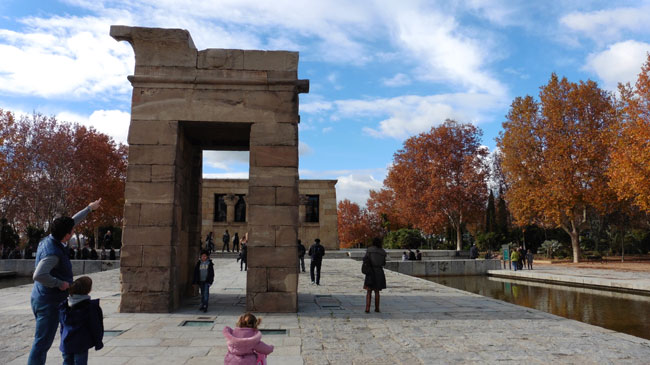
{"points": [[421, 323]]}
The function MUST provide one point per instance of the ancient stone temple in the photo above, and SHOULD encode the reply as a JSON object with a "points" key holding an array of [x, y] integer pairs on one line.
{"points": [[225, 206], [186, 101]]}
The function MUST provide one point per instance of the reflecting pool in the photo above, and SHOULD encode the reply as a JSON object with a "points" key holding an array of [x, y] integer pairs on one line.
{"points": [[621, 312]]}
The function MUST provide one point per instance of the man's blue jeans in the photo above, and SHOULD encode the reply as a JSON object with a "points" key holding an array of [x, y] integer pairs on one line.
{"points": [[75, 359], [205, 294], [47, 322]]}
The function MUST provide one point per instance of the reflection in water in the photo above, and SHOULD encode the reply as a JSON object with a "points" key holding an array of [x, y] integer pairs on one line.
{"points": [[15, 281], [627, 313]]}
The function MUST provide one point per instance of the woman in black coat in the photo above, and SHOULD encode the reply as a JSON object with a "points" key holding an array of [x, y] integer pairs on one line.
{"points": [[375, 279]]}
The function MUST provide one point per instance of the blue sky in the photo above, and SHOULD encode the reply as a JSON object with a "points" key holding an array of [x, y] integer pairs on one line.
{"points": [[380, 71]]}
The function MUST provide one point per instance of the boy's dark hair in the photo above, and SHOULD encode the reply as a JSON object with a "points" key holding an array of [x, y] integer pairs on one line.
{"points": [[83, 286], [61, 227], [205, 252], [377, 242]]}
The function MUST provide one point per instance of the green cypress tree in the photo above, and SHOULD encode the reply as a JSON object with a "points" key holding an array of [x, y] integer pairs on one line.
{"points": [[490, 213]]}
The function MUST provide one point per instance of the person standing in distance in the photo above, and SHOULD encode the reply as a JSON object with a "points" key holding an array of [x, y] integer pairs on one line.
{"points": [[375, 280], [52, 278], [316, 252], [301, 256], [226, 241]]}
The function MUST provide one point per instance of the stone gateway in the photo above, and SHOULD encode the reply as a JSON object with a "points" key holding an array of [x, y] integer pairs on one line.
{"points": [[186, 101]]}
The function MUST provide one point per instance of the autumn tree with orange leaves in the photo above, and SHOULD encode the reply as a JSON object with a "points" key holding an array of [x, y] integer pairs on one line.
{"points": [[630, 159], [439, 178], [555, 156], [57, 168], [355, 224]]}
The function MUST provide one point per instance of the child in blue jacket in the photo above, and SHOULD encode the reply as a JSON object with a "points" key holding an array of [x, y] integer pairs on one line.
{"points": [[82, 323]]}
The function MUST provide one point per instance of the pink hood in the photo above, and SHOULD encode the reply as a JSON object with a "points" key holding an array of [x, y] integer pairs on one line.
{"points": [[241, 344]]}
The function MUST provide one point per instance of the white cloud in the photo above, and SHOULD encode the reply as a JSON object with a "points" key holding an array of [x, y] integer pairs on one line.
{"points": [[445, 52], [304, 149], [315, 107], [226, 175], [72, 57], [114, 123], [412, 114], [399, 79], [611, 24], [226, 160], [356, 187], [620, 62]]}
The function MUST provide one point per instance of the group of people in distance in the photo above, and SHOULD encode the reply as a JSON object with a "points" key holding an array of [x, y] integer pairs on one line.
{"points": [[521, 258], [412, 256], [209, 242]]}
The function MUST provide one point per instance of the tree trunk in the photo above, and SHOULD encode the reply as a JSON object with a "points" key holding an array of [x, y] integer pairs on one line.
{"points": [[459, 238], [575, 244]]}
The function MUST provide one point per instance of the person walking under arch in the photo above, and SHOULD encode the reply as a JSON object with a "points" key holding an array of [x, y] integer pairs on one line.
{"points": [[316, 252], [375, 279]]}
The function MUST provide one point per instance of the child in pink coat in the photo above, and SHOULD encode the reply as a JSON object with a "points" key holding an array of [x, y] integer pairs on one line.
{"points": [[245, 342]]}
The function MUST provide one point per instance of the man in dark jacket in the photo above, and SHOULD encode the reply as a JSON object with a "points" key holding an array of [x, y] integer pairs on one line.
{"points": [[316, 252], [204, 277], [52, 278], [301, 255]]}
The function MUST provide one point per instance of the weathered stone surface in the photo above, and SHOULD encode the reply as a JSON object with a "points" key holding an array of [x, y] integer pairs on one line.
{"points": [[274, 156], [259, 235], [158, 46], [157, 214], [221, 59], [274, 214], [131, 255], [271, 60], [138, 173], [286, 196], [162, 173], [152, 236], [130, 302], [156, 256], [280, 102], [261, 195], [155, 303], [151, 154], [283, 280], [153, 132], [286, 236], [256, 280], [131, 214], [156, 193], [274, 134], [265, 257], [273, 176]]}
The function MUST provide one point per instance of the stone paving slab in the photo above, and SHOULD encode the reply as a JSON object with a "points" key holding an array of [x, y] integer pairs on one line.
{"points": [[603, 278], [421, 323]]}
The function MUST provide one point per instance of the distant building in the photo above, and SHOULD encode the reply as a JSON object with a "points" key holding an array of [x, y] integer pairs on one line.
{"points": [[225, 206]]}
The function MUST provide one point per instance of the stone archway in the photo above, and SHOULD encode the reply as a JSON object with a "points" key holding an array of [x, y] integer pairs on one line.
{"points": [[186, 101]]}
